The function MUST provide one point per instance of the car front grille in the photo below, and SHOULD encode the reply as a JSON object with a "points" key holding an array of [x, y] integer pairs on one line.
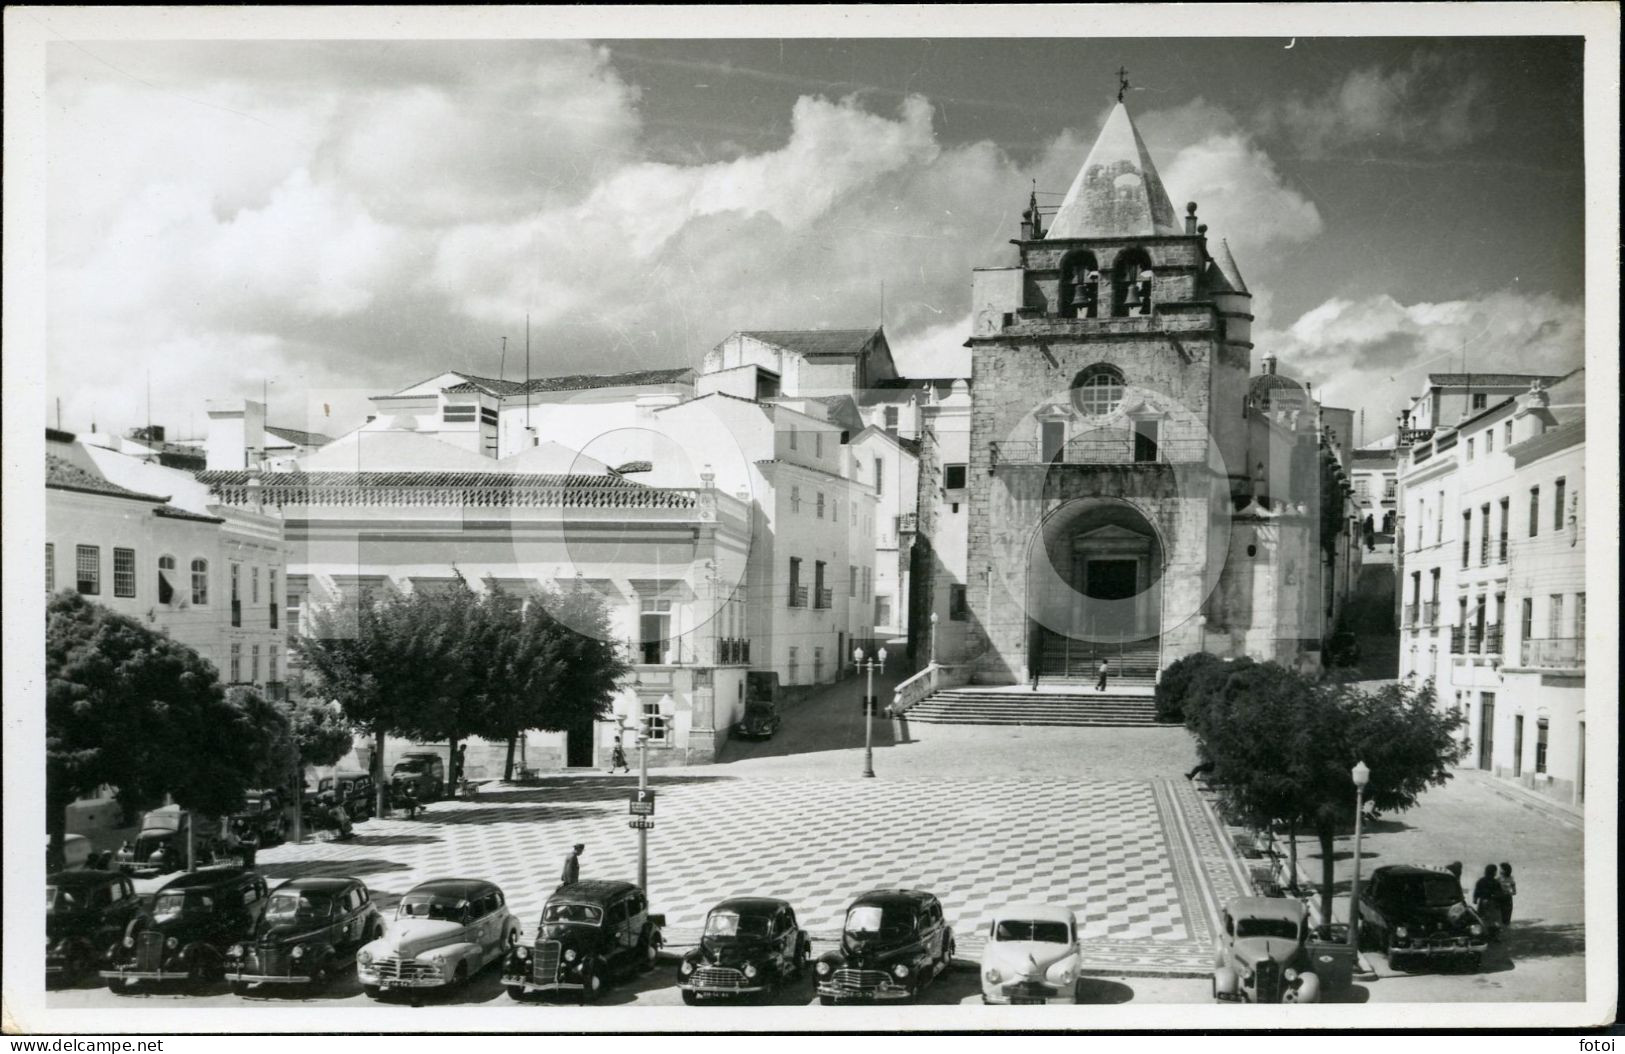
{"points": [[1030, 990], [860, 978], [273, 959], [544, 967], [1267, 978], [719, 977], [149, 951], [405, 970]]}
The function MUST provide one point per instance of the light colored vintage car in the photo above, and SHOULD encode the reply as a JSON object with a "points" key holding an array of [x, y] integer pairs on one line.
{"points": [[1261, 956], [1031, 955], [444, 932]]}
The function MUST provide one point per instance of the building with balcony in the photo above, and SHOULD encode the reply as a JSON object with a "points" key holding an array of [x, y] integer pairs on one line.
{"points": [[1493, 580], [1133, 487], [1375, 474]]}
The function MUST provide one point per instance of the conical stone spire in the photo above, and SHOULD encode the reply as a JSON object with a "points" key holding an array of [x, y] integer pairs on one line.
{"points": [[1228, 268], [1118, 193]]}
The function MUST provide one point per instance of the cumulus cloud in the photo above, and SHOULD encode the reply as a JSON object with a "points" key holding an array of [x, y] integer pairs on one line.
{"points": [[1429, 103], [1375, 353], [342, 222]]}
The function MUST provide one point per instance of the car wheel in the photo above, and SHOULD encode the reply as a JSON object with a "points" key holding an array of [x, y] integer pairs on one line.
{"points": [[516, 992], [826, 1000], [121, 987], [239, 988], [321, 975], [370, 990], [460, 976], [1475, 962], [591, 983], [648, 951], [689, 998]]}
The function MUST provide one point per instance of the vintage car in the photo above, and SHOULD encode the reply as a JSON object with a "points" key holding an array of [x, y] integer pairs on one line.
{"points": [[1261, 956], [311, 930], [893, 943], [445, 931], [750, 945], [1031, 956], [589, 931], [423, 769], [351, 788], [166, 829], [85, 912], [761, 720], [76, 852], [263, 814], [1415, 913], [194, 918]]}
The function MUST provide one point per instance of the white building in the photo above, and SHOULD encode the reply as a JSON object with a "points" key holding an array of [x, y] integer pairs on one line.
{"points": [[1493, 580], [940, 557]]}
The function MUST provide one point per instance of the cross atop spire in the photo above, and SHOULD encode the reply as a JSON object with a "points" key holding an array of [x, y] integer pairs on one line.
{"points": [[1122, 82]]}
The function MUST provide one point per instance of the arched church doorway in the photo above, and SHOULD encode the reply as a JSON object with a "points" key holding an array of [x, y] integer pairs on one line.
{"points": [[1094, 589]]}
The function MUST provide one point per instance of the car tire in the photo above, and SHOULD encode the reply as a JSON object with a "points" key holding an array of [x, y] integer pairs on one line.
{"points": [[1475, 962], [648, 951], [516, 992], [591, 983], [826, 1000], [689, 998], [120, 987], [459, 976], [321, 975]]}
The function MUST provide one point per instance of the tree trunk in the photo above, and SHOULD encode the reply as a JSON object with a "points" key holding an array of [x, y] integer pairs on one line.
{"points": [[56, 825], [1326, 832], [507, 768], [453, 769], [1292, 856], [379, 786]]}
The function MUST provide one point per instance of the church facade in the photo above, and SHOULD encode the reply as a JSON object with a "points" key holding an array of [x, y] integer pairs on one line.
{"points": [[1134, 492]]}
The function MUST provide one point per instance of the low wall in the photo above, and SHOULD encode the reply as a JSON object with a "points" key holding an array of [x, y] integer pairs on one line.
{"points": [[923, 685]]}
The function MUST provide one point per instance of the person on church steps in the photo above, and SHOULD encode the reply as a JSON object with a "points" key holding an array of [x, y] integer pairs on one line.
{"points": [[1103, 669]]}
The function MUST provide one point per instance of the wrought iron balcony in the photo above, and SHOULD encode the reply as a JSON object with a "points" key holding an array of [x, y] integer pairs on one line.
{"points": [[1561, 653], [1501, 551], [733, 651], [1102, 447], [1458, 638], [1410, 436], [824, 600], [798, 596], [1430, 614], [1410, 615], [1492, 640]]}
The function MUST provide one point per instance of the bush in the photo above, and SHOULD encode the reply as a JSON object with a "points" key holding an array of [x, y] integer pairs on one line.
{"points": [[1174, 687]]}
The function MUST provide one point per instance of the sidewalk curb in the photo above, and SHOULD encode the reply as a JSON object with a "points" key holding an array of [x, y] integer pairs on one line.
{"points": [[1535, 802]]}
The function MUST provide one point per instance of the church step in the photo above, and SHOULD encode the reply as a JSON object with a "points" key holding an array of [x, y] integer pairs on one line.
{"points": [[972, 706]]}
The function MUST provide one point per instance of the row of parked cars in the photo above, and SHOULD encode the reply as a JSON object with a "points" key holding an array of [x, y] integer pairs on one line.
{"points": [[228, 924]]}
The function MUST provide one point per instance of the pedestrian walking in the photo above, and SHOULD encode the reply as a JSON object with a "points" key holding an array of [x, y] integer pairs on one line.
{"points": [[1202, 769], [572, 865], [1487, 901], [341, 820], [617, 757], [1103, 669], [248, 842], [409, 796], [1035, 677], [1509, 889]]}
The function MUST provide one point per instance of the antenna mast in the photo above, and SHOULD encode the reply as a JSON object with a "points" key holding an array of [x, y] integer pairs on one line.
{"points": [[502, 363], [527, 374]]}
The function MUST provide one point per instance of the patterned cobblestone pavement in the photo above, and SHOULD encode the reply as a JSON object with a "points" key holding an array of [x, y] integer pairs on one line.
{"points": [[1139, 861]]}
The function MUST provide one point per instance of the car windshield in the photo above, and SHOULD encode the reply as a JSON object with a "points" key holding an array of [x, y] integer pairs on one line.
{"points": [[1286, 929], [169, 905], [1437, 891], [1032, 930], [760, 710], [299, 905], [871, 919], [585, 914], [411, 765], [60, 900], [728, 924], [426, 906]]}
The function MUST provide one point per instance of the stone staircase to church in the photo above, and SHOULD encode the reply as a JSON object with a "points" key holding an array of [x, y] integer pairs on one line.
{"points": [[1134, 662], [1050, 705]]}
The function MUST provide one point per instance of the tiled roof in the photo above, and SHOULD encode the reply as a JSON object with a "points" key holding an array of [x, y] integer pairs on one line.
{"points": [[573, 382], [171, 512], [815, 342], [62, 474], [239, 477], [635, 466], [1491, 379], [298, 437]]}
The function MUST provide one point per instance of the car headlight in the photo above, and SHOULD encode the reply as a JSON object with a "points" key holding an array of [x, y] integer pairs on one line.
{"points": [[364, 957], [750, 969], [521, 952], [1291, 974], [299, 952], [1477, 931], [993, 975], [172, 943], [129, 942], [569, 955], [822, 969], [235, 951], [686, 968], [900, 971], [1401, 931], [1065, 976]]}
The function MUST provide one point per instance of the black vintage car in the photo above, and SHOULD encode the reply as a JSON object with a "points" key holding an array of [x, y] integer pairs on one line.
{"points": [[750, 945], [262, 814], [589, 932], [1414, 913], [761, 720], [160, 844], [350, 788], [85, 913], [310, 930], [894, 942], [422, 769], [193, 920]]}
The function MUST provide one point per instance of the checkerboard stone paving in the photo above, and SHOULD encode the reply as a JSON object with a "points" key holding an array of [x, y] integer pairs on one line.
{"points": [[1139, 861]]}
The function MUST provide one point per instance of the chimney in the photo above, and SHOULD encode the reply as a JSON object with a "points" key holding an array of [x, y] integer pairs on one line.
{"points": [[236, 434]]}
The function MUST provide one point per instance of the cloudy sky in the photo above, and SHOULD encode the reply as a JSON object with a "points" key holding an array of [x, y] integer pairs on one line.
{"points": [[326, 220]]}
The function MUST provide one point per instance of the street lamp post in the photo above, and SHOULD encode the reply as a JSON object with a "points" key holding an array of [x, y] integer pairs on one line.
{"points": [[878, 662], [933, 638], [629, 709], [1362, 776]]}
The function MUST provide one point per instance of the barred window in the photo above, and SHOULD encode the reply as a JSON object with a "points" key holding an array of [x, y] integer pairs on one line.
{"points": [[795, 499], [200, 581], [88, 569], [124, 572], [236, 576], [820, 505], [253, 585], [1098, 390]]}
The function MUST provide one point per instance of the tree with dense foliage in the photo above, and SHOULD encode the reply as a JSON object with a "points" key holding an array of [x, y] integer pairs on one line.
{"points": [[457, 633], [1174, 684], [553, 663], [129, 707], [1284, 748]]}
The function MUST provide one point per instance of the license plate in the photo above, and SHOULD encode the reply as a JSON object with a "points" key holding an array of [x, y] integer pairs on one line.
{"points": [[384, 986], [1025, 1000]]}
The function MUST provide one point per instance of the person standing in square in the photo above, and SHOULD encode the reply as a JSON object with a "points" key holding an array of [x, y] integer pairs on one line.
{"points": [[1103, 669]]}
